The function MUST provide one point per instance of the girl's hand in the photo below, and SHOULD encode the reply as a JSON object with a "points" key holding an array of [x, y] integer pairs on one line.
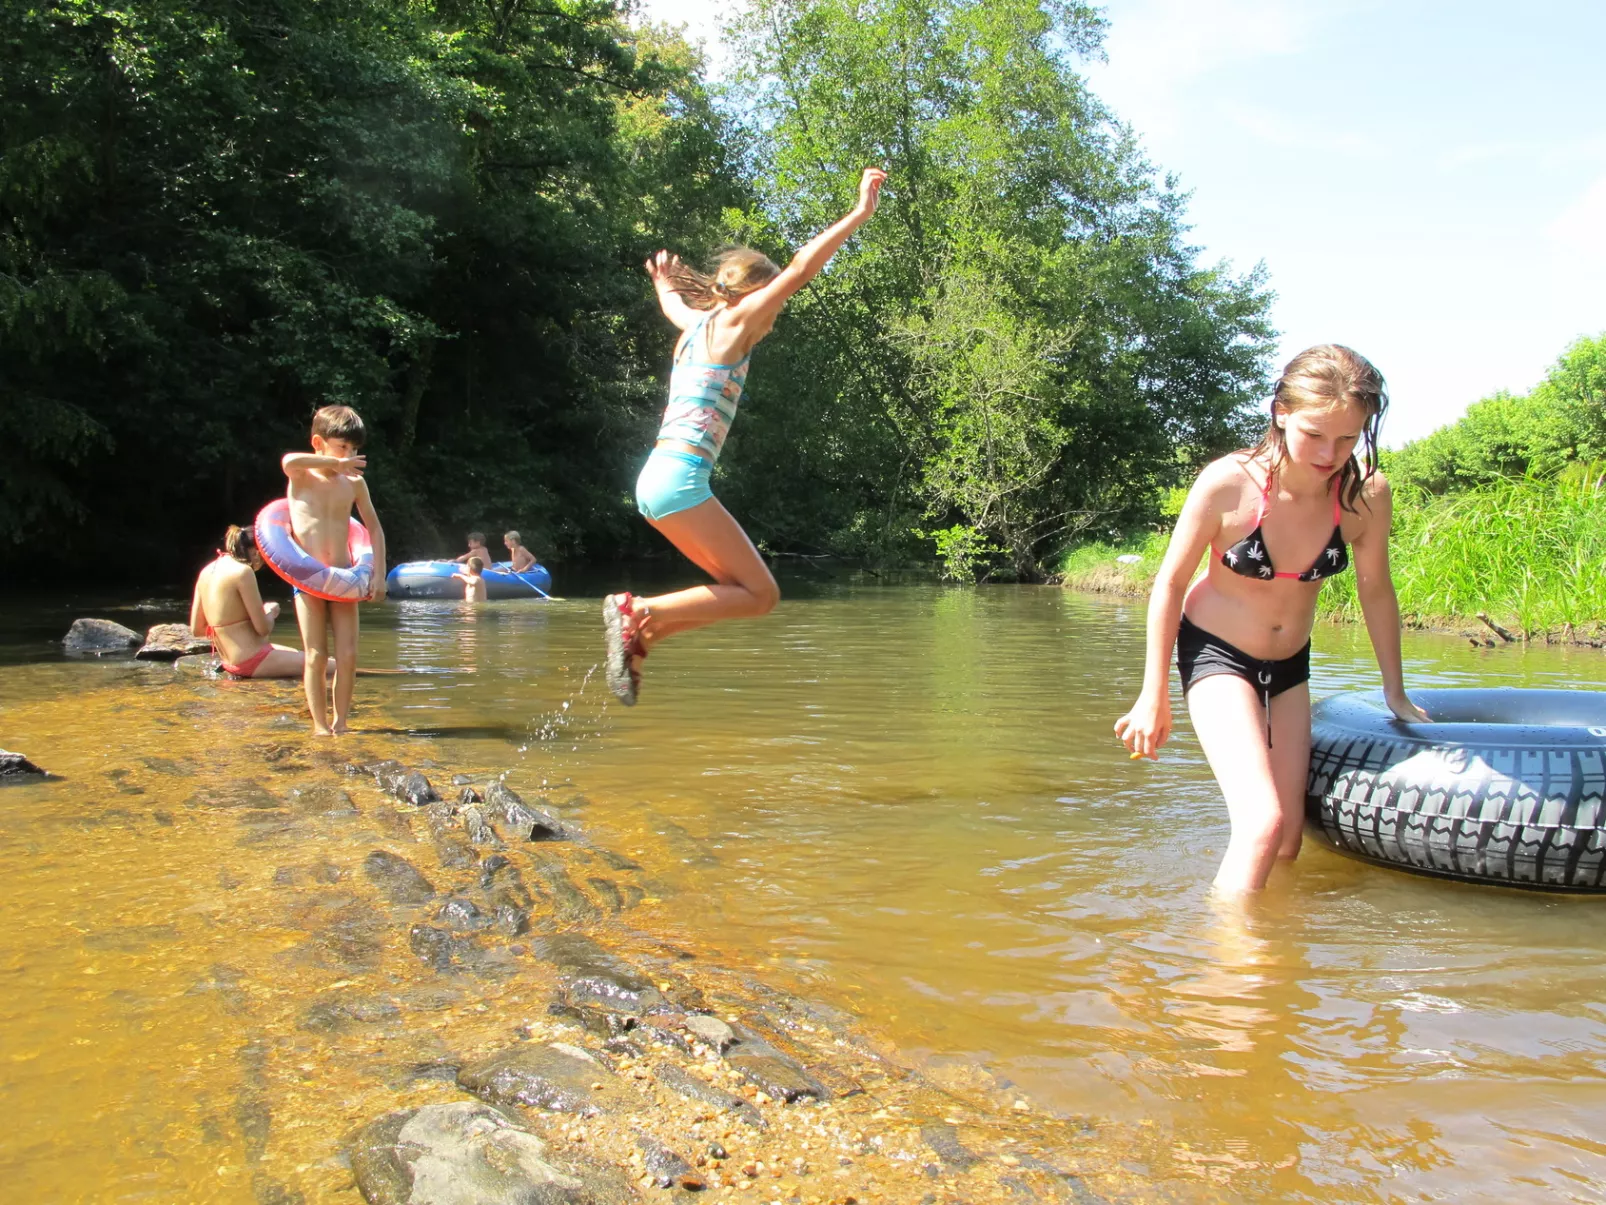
{"points": [[1406, 710], [1146, 727], [869, 191], [660, 264]]}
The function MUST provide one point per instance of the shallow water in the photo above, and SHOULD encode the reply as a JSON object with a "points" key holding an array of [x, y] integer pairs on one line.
{"points": [[903, 800]]}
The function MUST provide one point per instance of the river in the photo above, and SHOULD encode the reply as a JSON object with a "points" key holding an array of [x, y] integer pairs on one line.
{"points": [[902, 800]]}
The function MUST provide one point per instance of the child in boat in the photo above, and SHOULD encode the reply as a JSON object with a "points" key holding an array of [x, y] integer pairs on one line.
{"points": [[721, 318], [227, 608], [476, 547], [1242, 630], [520, 557], [324, 485], [472, 577]]}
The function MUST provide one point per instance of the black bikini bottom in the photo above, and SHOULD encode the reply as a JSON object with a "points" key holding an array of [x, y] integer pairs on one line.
{"points": [[1201, 654]]}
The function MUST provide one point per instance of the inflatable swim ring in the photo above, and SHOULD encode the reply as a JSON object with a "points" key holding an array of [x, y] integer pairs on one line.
{"points": [[433, 579], [304, 571], [1505, 786]]}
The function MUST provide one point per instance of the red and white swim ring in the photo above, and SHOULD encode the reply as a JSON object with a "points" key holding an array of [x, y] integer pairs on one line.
{"points": [[304, 571]]}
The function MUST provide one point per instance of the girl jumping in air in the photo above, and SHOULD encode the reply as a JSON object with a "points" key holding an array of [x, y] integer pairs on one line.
{"points": [[1277, 519], [722, 318]]}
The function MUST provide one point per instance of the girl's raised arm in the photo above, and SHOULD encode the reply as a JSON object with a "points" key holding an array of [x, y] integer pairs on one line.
{"points": [[759, 308], [661, 266]]}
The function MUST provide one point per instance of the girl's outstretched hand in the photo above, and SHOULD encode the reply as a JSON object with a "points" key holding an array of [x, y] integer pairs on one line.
{"points": [[660, 264], [1146, 727], [870, 191]]}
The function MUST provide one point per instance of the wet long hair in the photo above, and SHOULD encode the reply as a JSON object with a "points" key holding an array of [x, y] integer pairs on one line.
{"points": [[1326, 377], [737, 272], [240, 543]]}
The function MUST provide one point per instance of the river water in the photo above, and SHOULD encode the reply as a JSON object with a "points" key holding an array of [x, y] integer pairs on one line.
{"points": [[902, 800]]}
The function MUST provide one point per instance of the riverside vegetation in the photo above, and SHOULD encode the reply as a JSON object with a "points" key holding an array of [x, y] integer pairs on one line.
{"points": [[215, 217], [1502, 512]]}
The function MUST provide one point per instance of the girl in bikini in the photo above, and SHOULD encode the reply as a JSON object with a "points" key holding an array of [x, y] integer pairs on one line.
{"points": [[228, 608], [1277, 519], [721, 317]]}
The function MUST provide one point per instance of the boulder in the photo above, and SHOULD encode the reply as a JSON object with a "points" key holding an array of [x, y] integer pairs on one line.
{"points": [[468, 1153], [97, 637], [170, 641], [14, 767], [559, 1077]]}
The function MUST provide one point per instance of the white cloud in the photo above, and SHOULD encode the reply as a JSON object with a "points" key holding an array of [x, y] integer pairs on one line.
{"points": [[1581, 227], [702, 20]]}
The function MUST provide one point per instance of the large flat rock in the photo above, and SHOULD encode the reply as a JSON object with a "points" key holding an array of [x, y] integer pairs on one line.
{"points": [[470, 1153], [95, 637], [560, 1078]]}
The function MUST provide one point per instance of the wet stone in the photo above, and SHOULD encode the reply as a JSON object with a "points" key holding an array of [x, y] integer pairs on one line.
{"points": [[97, 637], [589, 975], [415, 789], [617, 861], [320, 799], [558, 1078], [667, 1169], [525, 822], [608, 892], [335, 1015], [478, 828], [569, 903], [170, 641], [467, 795], [397, 878], [237, 793], [14, 767], [469, 1153], [692, 1088], [766, 1067], [444, 951], [943, 1139], [462, 916], [347, 935], [711, 1030]]}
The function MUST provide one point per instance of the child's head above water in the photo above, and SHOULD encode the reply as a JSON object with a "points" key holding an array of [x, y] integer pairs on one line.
{"points": [[512, 539], [476, 565], [1327, 406], [476, 539], [737, 272], [337, 431], [241, 544]]}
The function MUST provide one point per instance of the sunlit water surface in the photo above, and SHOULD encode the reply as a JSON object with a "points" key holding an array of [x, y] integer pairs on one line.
{"points": [[905, 800]]}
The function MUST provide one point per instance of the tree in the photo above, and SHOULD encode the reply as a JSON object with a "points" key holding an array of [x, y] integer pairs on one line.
{"points": [[1020, 346]]}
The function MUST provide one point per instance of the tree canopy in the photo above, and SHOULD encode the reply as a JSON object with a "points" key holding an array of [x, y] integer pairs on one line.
{"points": [[217, 216]]}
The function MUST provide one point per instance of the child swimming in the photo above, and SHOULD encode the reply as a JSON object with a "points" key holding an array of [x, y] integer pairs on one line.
{"points": [[1279, 519], [722, 317], [324, 485]]}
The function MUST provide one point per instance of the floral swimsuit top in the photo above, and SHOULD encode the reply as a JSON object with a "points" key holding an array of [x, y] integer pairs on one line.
{"points": [[1249, 558], [702, 396]]}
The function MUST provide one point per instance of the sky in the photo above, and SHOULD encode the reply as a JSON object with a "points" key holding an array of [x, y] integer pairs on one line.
{"points": [[1425, 180]]}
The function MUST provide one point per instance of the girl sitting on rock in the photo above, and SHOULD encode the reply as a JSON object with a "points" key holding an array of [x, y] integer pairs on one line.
{"points": [[1278, 519], [228, 609], [721, 317]]}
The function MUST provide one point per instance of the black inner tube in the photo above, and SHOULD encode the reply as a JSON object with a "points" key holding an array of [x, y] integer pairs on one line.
{"points": [[1479, 717]]}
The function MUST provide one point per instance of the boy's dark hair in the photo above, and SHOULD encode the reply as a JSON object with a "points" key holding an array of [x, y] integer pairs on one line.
{"points": [[476, 564], [339, 422], [476, 537]]}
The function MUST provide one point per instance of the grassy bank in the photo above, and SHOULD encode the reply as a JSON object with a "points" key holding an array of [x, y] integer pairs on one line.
{"points": [[1532, 555]]}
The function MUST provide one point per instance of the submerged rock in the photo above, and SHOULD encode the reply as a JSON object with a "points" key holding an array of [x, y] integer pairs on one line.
{"points": [[469, 1153], [766, 1067], [333, 1015], [14, 767], [589, 975], [667, 1169], [170, 641], [676, 1079], [96, 637], [561, 1078], [235, 793], [397, 878], [321, 799], [527, 823]]}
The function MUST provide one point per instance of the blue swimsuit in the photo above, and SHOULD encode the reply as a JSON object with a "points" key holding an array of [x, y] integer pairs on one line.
{"points": [[702, 402]]}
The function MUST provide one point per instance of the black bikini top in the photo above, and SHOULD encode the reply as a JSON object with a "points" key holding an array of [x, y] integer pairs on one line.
{"points": [[1249, 558]]}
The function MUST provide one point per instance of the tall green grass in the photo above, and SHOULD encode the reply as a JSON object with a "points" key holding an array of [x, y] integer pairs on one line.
{"points": [[1531, 554]]}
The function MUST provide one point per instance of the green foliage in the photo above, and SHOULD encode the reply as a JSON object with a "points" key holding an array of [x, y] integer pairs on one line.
{"points": [[1020, 343], [1563, 420], [215, 217]]}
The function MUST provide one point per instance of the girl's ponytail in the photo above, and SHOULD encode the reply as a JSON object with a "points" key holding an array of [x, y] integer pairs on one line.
{"points": [[737, 272]]}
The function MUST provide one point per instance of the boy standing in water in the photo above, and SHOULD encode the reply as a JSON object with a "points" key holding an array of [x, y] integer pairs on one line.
{"points": [[473, 580], [324, 485]]}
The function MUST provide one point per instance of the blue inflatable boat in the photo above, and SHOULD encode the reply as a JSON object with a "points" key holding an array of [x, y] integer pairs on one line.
{"points": [[433, 579]]}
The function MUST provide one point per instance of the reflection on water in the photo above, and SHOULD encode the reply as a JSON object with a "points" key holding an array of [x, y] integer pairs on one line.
{"points": [[907, 801]]}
